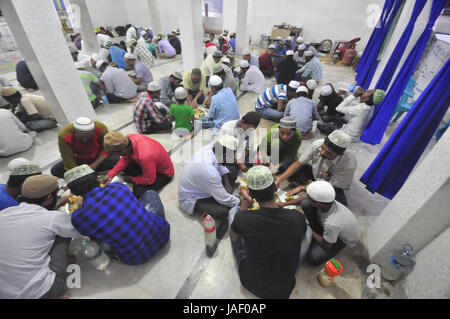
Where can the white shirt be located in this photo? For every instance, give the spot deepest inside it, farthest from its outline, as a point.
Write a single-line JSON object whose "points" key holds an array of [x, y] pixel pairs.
{"points": [[357, 114], [339, 222], [131, 34], [27, 234], [338, 172], [13, 136], [118, 82], [233, 128], [103, 38], [202, 178], [253, 81]]}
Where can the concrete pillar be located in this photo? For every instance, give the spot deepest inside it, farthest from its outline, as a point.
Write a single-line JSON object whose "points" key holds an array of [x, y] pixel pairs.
{"points": [[242, 26], [419, 26], [155, 19], [419, 211], [191, 33], [90, 44], [229, 15], [46, 52]]}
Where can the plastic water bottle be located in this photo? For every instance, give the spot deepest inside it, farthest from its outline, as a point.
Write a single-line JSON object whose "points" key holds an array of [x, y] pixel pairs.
{"points": [[209, 225], [332, 269], [94, 254], [399, 265]]}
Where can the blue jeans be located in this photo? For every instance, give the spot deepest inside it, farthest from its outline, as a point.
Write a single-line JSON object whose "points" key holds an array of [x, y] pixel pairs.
{"points": [[269, 113], [238, 246]]}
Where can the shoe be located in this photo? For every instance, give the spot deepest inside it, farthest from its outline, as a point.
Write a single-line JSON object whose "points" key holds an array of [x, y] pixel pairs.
{"points": [[222, 228]]}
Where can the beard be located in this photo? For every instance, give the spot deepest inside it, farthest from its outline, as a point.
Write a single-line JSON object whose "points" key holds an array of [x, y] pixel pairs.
{"points": [[52, 205]]}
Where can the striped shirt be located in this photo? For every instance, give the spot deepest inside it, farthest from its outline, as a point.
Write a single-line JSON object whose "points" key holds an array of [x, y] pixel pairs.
{"points": [[145, 112], [271, 96], [313, 69]]}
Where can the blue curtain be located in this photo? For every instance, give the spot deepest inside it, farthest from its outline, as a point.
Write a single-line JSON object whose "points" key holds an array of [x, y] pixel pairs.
{"points": [[368, 63], [394, 60], [390, 169], [374, 131]]}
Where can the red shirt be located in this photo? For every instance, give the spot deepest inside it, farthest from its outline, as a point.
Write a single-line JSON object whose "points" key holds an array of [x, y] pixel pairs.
{"points": [[265, 62], [85, 153], [150, 155]]}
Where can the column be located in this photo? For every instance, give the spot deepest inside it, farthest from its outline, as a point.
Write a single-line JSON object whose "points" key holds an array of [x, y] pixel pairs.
{"points": [[45, 50], [419, 211], [155, 20], [229, 15], [242, 26], [90, 44], [191, 33]]}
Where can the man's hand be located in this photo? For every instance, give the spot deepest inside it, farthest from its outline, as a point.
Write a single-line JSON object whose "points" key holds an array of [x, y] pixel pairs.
{"points": [[242, 167], [194, 103], [62, 201], [106, 180], [246, 196], [359, 91], [296, 190], [128, 179], [80, 201], [94, 166], [281, 204]]}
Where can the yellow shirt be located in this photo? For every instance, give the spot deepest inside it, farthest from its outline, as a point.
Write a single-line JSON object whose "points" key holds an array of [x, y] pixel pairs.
{"points": [[188, 85]]}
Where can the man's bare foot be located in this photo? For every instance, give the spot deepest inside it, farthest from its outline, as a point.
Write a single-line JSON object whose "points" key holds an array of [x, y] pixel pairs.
{"points": [[30, 90], [131, 100]]}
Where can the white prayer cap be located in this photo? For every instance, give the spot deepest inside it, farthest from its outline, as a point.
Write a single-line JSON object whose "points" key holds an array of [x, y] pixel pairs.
{"points": [[229, 142], [84, 125], [294, 84], [246, 52], [143, 33], [95, 57], [226, 60], [180, 93], [278, 38], [153, 86], [99, 64], [174, 31], [130, 56], [340, 139], [301, 47], [272, 46], [326, 90], [309, 53], [302, 89], [289, 52], [311, 84], [300, 40], [215, 80], [244, 64], [17, 161], [321, 191], [289, 38]]}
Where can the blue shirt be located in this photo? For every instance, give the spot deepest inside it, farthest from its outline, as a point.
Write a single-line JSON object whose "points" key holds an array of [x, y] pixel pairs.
{"points": [[6, 200], [232, 42], [278, 51], [224, 108], [303, 110], [312, 69], [113, 215], [117, 55]]}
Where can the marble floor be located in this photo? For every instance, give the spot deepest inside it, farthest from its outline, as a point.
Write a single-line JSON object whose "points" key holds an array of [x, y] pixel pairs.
{"points": [[182, 270]]}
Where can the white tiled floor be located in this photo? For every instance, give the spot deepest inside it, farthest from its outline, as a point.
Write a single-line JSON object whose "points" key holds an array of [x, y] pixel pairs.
{"points": [[182, 269]]}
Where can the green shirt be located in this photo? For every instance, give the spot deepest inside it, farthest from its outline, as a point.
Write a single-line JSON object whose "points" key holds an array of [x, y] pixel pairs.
{"points": [[182, 115], [87, 77], [287, 150]]}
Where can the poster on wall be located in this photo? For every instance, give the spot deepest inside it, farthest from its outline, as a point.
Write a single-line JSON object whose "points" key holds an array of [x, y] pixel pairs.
{"points": [[63, 16]]}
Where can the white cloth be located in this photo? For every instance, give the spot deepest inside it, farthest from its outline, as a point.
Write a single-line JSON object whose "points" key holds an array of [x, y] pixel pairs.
{"points": [[27, 234], [253, 81], [103, 54], [103, 38], [339, 222], [118, 82], [357, 115], [131, 34], [202, 178], [207, 65], [338, 172], [13, 136]]}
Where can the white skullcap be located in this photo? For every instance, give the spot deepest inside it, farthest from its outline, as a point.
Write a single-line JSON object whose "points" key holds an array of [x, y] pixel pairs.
{"points": [[99, 64], [17, 161], [226, 60], [289, 38], [278, 38], [300, 40], [294, 84], [95, 57], [309, 53], [289, 52], [130, 56], [244, 64], [326, 90], [311, 84], [321, 191], [302, 89], [246, 52], [153, 86], [229, 142], [301, 47], [215, 80], [143, 33], [180, 93], [83, 124], [272, 46], [340, 139]]}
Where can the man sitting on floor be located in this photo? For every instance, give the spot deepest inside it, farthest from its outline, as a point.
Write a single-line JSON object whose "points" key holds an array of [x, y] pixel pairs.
{"points": [[165, 48], [119, 87], [303, 110], [265, 62], [134, 231], [326, 159], [252, 79], [168, 85], [266, 242], [182, 114], [333, 225], [82, 143], [34, 243], [311, 70], [144, 161], [247, 55], [195, 84], [15, 137], [271, 104], [142, 76], [206, 183]]}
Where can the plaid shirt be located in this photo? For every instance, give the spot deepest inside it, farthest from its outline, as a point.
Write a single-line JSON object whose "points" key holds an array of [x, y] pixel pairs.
{"points": [[143, 54], [145, 112], [113, 215], [313, 69]]}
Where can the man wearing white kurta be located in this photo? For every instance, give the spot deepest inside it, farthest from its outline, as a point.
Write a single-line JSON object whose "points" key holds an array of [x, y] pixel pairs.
{"points": [[252, 78]]}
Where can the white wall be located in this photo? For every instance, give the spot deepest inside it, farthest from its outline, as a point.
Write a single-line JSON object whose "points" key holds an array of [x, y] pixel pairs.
{"points": [[107, 12]]}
